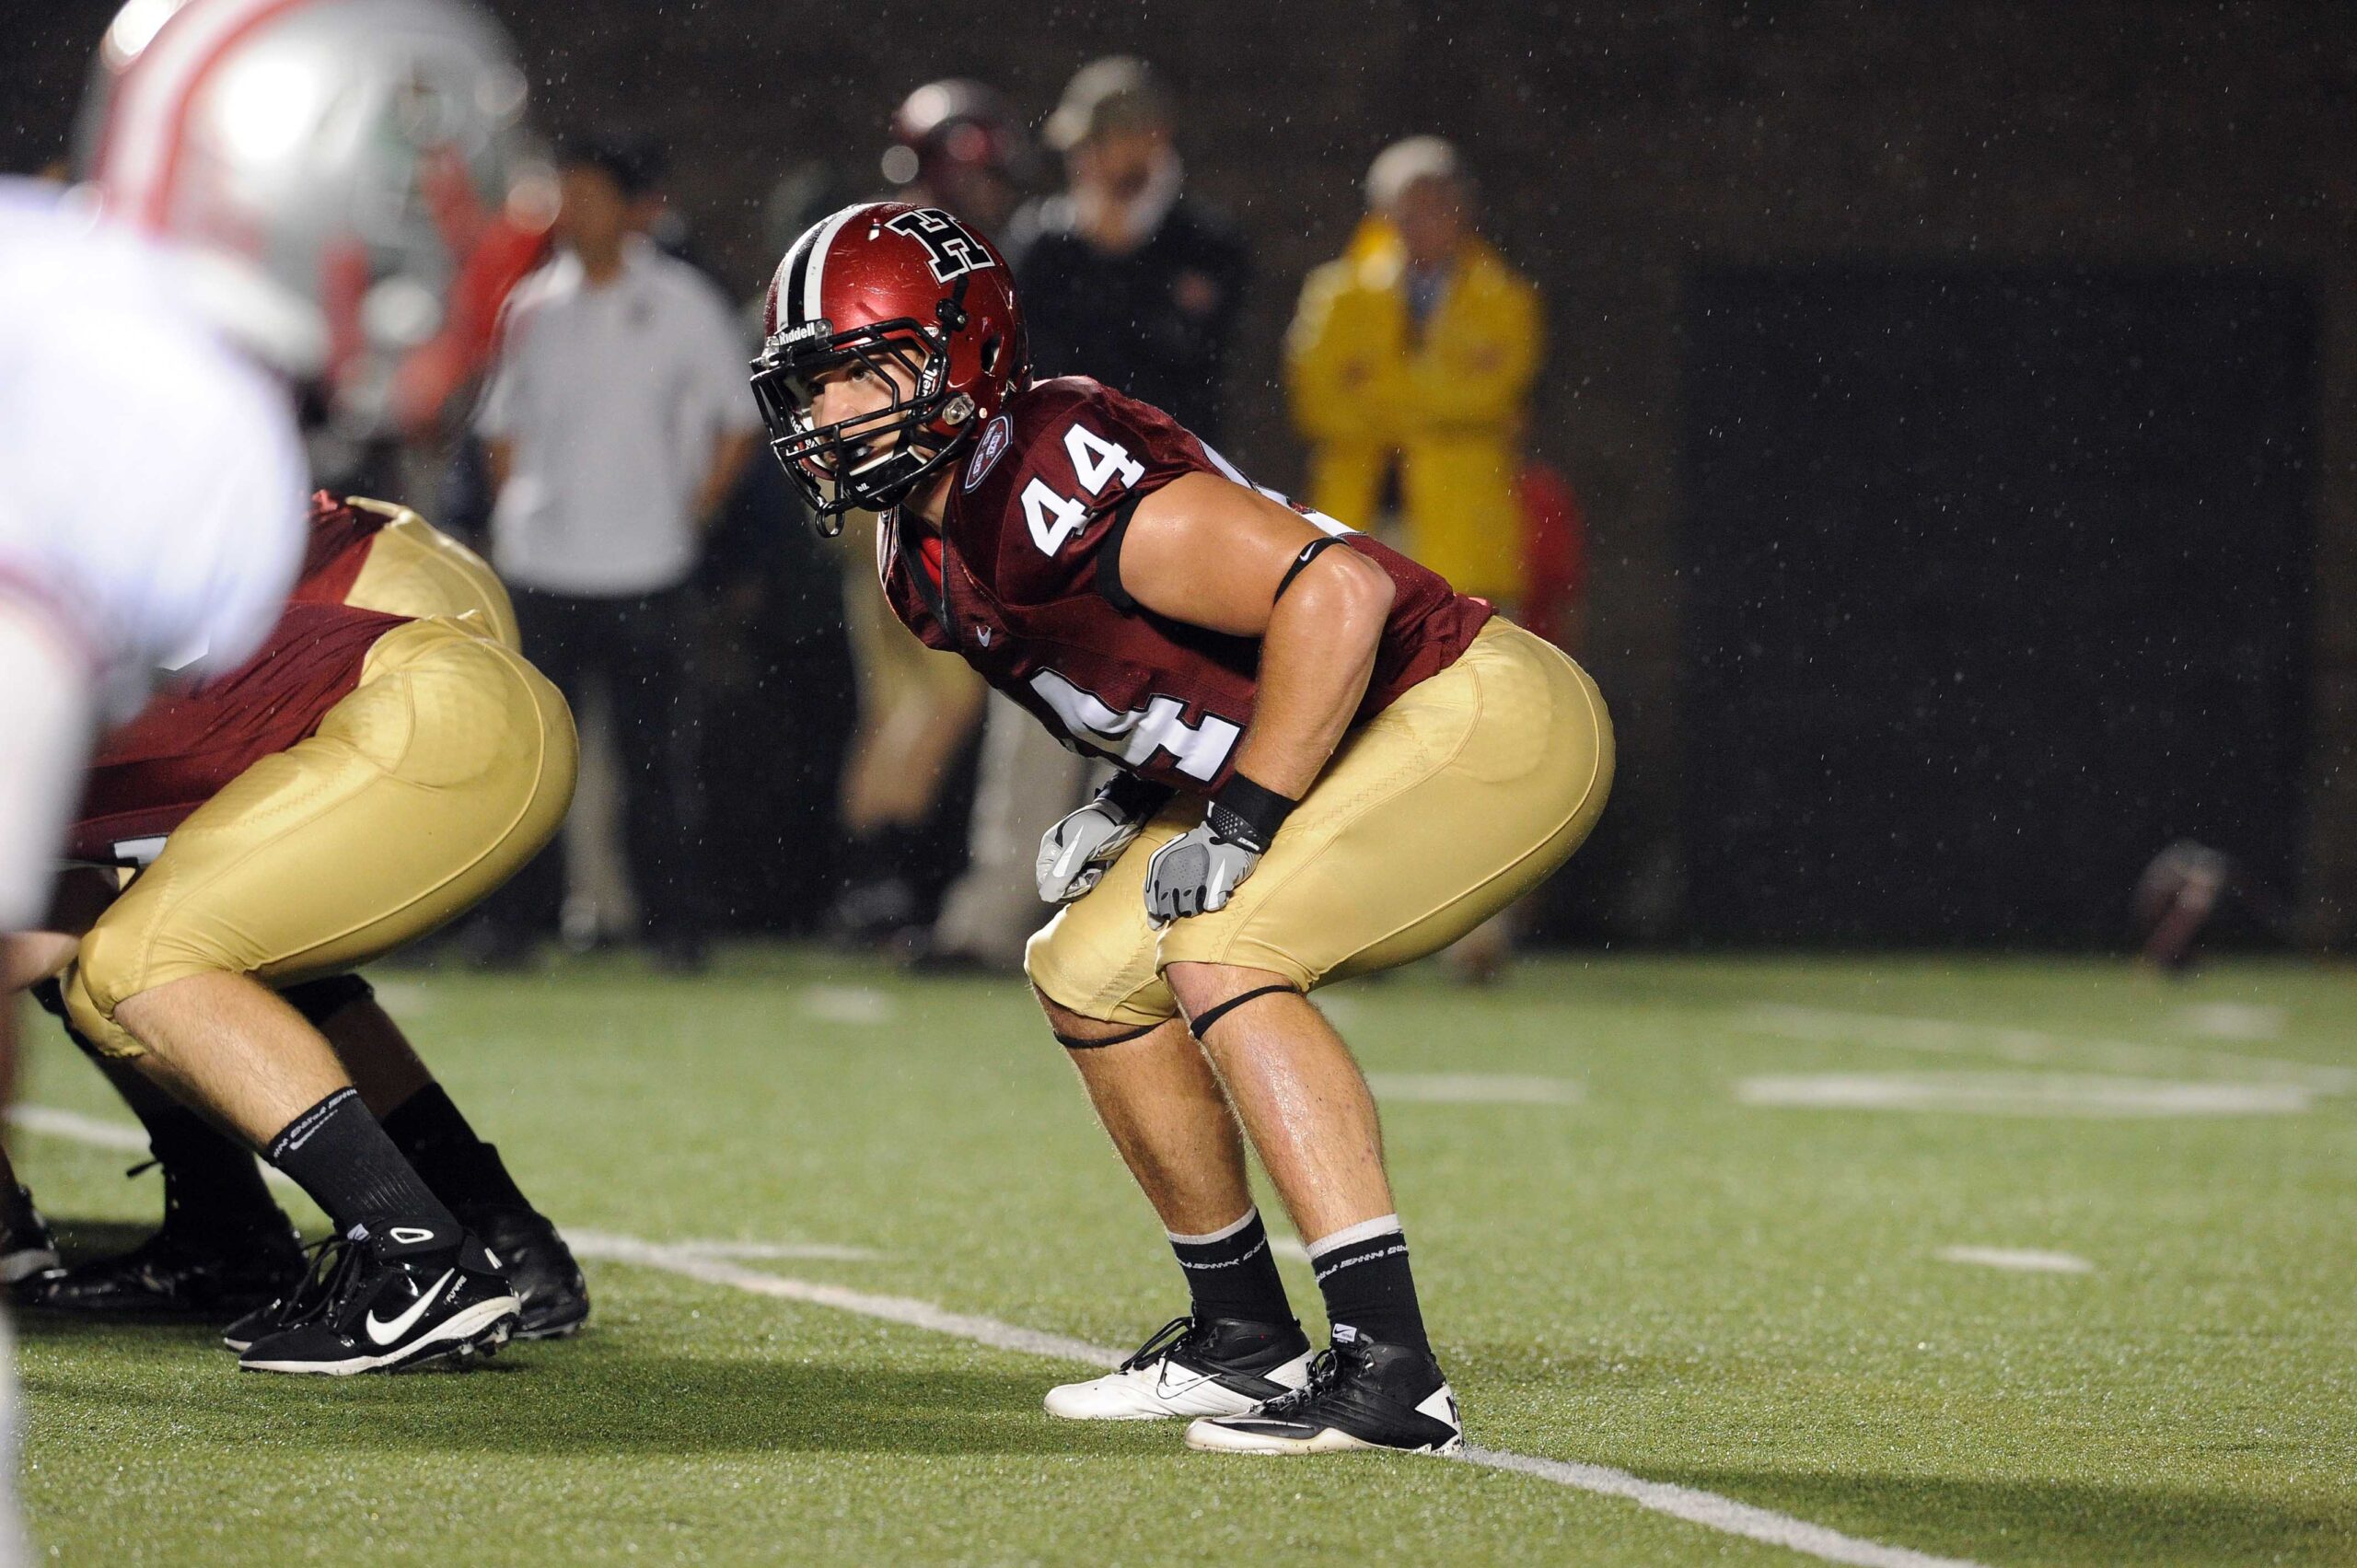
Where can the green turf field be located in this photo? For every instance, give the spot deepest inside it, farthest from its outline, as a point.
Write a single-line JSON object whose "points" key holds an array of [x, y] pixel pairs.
{"points": [[1644, 1239]]}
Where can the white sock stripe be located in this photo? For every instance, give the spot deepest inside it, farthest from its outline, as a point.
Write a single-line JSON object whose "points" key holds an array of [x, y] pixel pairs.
{"points": [[1222, 1234], [1325, 1274], [1365, 1230], [1257, 1247]]}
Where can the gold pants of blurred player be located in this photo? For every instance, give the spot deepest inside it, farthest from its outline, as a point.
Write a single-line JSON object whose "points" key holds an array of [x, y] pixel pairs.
{"points": [[415, 569], [1435, 815], [428, 786]]}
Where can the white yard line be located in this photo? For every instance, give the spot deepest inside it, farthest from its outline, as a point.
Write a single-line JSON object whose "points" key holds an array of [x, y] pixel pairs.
{"points": [[845, 1005], [2040, 1047], [2021, 1260], [2022, 1093], [699, 1262], [1473, 1088]]}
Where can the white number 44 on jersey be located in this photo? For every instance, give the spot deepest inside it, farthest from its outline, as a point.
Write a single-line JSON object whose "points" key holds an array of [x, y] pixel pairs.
{"points": [[1052, 517]]}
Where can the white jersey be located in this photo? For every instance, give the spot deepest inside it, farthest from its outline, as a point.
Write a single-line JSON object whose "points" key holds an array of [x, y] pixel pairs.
{"points": [[151, 503], [152, 481]]}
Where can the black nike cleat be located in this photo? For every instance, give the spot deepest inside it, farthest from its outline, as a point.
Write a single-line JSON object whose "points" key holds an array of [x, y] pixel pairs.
{"points": [[1360, 1395], [1193, 1366], [188, 1270], [403, 1298], [539, 1264], [27, 1252]]}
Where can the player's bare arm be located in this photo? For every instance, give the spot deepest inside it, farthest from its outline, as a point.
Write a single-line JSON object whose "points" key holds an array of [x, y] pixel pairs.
{"points": [[1211, 552]]}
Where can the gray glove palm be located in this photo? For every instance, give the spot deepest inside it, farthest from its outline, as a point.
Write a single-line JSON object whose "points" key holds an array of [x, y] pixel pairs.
{"points": [[1195, 874]]}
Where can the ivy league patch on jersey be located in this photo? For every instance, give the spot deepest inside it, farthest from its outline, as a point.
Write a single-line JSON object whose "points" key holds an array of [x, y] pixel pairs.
{"points": [[1027, 589]]}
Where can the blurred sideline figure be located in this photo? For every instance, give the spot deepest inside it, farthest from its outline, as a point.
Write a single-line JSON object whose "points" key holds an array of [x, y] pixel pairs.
{"points": [[329, 258], [614, 427], [957, 145], [1125, 276], [1408, 367]]}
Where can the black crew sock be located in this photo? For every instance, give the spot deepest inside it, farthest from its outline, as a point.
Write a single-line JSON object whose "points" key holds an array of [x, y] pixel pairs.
{"points": [[1230, 1272], [464, 1171], [338, 1154], [210, 1181], [1363, 1272]]}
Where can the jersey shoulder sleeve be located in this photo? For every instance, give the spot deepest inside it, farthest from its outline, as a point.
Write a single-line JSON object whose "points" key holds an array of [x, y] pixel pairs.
{"points": [[1055, 476]]}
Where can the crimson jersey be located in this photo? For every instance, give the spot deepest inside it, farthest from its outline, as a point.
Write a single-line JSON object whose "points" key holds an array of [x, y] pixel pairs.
{"points": [[342, 536], [1024, 584]]}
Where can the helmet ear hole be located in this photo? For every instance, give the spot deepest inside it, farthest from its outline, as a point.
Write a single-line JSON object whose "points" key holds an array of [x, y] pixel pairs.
{"points": [[990, 354]]}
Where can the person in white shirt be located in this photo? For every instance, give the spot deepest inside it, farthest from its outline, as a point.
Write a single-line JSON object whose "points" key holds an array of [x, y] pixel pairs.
{"points": [[615, 423]]}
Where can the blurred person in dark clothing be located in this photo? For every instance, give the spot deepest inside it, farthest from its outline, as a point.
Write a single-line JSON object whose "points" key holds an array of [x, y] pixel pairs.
{"points": [[957, 145], [614, 426], [1122, 273], [1124, 277]]}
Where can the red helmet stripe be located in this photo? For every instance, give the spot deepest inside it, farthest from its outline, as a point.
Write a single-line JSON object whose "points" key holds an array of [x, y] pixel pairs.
{"points": [[141, 143]]}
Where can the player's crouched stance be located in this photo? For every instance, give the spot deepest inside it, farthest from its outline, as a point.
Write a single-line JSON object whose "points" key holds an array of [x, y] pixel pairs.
{"points": [[361, 782], [1331, 763]]}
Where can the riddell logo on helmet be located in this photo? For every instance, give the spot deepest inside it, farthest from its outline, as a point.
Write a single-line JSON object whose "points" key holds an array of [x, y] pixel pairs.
{"points": [[988, 450]]}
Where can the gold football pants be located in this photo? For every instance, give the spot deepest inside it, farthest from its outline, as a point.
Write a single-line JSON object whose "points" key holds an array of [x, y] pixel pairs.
{"points": [[1431, 817], [415, 569], [426, 788]]}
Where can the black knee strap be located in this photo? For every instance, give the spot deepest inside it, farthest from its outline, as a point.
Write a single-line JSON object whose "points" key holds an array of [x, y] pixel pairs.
{"points": [[1213, 1014], [1069, 1043], [319, 1000]]}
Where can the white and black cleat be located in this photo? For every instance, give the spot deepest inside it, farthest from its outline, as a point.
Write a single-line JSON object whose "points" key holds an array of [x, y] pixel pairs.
{"points": [[1360, 1394], [1194, 1367], [406, 1298]]}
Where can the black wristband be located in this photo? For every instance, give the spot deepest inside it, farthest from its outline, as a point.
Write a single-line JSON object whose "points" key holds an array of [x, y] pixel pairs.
{"points": [[1133, 796], [1247, 814]]}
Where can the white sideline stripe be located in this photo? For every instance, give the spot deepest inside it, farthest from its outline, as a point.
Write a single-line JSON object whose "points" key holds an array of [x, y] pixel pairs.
{"points": [[1946, 1036], [905, 1309], [845, 1005], [2020, 1258], [1474, 1088], [2022, 1093], [1714, 1511], [828, 1251], [1289, 1247], [1707, 1509]]}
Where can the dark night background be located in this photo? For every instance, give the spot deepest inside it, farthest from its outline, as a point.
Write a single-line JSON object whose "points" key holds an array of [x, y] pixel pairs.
{"points": [[1961, 397]]}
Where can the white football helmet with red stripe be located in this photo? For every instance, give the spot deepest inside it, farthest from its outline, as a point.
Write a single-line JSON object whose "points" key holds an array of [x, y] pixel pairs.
{"points": [[333, 170]]}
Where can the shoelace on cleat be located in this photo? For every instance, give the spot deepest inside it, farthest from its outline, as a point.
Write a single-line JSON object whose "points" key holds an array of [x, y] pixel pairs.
{"points": [[331, 1261], [1161, 1342], [1328, 1368]]}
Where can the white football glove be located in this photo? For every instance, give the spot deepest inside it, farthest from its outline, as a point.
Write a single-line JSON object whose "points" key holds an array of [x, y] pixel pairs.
{"points": [[1074, 853]]}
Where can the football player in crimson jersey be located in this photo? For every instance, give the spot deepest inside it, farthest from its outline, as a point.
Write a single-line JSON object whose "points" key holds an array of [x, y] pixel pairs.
{"points": [[225, 1247], [1330, 762], [359, 781]]}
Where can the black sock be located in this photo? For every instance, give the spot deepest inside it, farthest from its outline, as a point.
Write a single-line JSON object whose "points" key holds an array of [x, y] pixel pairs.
{"points": [[1363, 1272], [463, 1170], [338, 1154], [210, 1179], [1230, 1272]]}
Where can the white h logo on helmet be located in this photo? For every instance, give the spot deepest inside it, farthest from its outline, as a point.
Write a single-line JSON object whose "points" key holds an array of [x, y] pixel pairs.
{"points": [[951, 248]]}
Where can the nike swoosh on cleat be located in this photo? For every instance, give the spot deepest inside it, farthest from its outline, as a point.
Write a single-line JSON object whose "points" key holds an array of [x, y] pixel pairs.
{"points": [[386, 1333]]}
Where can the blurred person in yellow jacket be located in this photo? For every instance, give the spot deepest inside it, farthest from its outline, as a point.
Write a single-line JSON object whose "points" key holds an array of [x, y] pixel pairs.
{"points": [[1409, 364]]}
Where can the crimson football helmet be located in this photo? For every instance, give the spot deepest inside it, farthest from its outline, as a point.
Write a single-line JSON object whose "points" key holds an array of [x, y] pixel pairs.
{"points": [[884, 285]]}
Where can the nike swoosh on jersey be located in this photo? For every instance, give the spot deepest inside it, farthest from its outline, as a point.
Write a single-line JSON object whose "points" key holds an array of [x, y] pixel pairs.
{"points": [[386, 1333]]}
